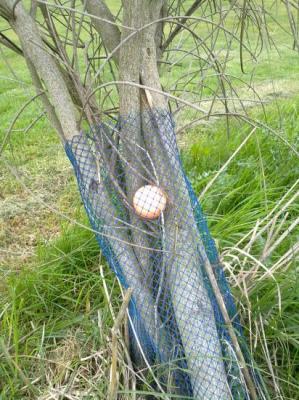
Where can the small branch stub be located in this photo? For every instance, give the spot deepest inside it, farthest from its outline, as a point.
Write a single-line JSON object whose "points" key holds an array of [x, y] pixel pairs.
{"points": [[149, 202]]}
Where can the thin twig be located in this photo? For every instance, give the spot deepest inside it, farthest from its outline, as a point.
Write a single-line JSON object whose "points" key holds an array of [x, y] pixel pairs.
{"points": [[182, 22], [4, 142], [224, 166]]}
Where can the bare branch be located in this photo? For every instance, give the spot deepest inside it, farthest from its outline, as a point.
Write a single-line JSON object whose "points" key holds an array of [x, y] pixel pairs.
{"points": [[109, 33], [46, 68], [15, 119], [47, 105], [10, 44], [160, 32], [292, 23], [182, 22]]}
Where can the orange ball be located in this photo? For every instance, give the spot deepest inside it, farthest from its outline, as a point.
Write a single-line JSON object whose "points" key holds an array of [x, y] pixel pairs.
{"points": [[149, 201]]}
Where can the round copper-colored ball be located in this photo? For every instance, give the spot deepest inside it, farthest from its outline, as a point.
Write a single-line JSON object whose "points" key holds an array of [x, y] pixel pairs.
{"points": [[149, 202]]}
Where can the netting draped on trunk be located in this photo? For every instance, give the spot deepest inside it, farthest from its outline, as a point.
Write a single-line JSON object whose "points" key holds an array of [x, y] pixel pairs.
{"points": [[174, 313]]}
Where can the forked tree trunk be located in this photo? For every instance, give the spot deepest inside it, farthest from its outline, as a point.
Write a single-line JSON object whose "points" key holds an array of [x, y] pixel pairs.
{"points": [[148, 143]]}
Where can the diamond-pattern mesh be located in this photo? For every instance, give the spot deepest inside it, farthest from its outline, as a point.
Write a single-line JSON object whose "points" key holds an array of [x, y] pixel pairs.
{"points": [[158, 250]]}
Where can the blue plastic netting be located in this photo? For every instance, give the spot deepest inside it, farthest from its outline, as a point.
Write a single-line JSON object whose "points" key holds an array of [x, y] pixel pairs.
{"points": [[176, 323]]}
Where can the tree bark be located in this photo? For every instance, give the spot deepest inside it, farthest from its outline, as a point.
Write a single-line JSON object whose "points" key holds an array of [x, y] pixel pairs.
{"points": [[33, 49], [113, 232], [109, 32], [193, 310], [130, 122]]}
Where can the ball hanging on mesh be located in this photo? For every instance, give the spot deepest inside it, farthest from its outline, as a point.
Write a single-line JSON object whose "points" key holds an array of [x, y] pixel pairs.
{"points": [[149, 202]]}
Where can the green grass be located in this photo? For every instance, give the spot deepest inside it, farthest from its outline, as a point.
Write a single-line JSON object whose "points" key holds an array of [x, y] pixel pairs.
{"points": [[55, 300], [54, 309], [245, 193], [258, 176]]}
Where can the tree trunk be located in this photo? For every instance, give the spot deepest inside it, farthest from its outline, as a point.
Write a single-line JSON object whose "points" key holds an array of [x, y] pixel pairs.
{"points": [[167, 277], [46, 68], [184, 251]]}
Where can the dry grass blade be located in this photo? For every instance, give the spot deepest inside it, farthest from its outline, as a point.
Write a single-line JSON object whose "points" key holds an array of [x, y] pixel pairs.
{"points": [[116, 326], [283, 236], [243, 365]]}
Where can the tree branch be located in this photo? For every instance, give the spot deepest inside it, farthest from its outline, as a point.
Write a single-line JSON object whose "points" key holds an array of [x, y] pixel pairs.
{"points": [[45, 66], [109, 32], [69, 75], [47, 105], [181, 24], [102, 209], [159, 31], [10, 44]]}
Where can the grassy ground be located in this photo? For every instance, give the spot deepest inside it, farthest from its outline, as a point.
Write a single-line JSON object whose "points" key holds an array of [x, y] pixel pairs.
{"points": [[58, 298]]}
